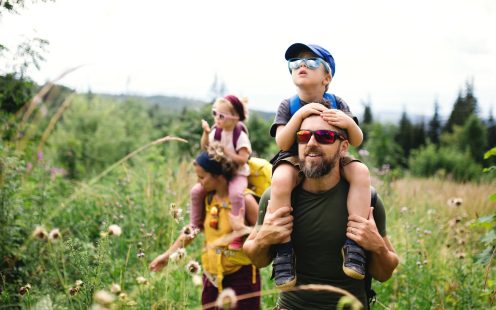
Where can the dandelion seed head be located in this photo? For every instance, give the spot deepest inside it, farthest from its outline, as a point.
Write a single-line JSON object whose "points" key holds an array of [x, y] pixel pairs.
{"points": [[227, 298], [455, 202], [114, 230], [123, 296], [140, 254], [178, 255], [23, 290], [404, 210], [73, 291]]}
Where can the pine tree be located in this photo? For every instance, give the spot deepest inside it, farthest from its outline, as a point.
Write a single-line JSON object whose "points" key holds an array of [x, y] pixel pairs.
{"points": [[491, 131], [463, 108], [366, 122], [418, 135], [434, 129], [404, 137]]}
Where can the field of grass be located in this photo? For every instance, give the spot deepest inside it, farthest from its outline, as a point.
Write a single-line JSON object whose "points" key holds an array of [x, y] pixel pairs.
{"points": [[81, 263]]}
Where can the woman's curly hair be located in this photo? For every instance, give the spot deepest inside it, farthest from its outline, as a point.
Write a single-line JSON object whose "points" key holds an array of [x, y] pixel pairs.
{"points": [[216, 152]]}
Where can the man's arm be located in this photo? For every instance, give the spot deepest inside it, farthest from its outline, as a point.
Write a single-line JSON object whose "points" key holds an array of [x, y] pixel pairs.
{"points": [[276, 227], [384, 258]]}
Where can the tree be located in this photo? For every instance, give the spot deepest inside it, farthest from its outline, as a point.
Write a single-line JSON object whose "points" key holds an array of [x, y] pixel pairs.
{"points": [[404, 137], [462, 109], [418, 135], [434, 126], [474, 138], [491, 130], [367, 115]]}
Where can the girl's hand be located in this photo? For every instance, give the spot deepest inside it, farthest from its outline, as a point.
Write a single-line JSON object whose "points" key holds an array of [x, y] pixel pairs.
{"points": [[337, 118], [205, 126], [310, 109], [159, 262]]}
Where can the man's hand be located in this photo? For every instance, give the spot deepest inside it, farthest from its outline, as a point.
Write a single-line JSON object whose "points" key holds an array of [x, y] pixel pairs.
{"points": [[205, 126], [364, 232], [277, 226], [337, 118], [159, 262]]}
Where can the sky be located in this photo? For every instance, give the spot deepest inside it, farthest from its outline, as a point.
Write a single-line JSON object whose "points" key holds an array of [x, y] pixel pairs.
{"points": [[396, 55]]}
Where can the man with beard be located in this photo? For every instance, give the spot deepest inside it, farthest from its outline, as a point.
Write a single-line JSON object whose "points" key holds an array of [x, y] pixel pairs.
{"points": [[317, 218]]}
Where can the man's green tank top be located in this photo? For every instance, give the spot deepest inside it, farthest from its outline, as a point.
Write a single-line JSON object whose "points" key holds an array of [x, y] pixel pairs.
{"points": [[319, 230]]}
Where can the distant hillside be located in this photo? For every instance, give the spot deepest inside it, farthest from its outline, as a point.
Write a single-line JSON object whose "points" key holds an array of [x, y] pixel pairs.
{"points": [[169, 102]]}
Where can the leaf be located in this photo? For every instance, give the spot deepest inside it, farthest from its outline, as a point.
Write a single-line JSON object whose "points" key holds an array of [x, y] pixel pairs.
{"points": [[492, 197], [491, 152]]}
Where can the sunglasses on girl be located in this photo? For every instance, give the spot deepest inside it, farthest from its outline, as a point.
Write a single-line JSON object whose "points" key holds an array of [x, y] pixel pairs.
{"points": [[310, 63], [223, 116], [322, 136]]}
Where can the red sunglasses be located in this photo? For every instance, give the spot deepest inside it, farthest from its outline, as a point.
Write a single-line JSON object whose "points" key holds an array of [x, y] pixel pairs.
{"points": [[322, 136]]}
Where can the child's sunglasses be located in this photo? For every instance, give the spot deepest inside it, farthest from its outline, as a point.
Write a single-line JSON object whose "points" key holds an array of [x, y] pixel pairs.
{"points": [[310, 63], [322, 136], [223, 116]]}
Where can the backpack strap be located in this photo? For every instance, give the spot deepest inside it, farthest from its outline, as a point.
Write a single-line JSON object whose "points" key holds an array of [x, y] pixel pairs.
{"points": [[368, 278], [295, 102], [240, 126]]}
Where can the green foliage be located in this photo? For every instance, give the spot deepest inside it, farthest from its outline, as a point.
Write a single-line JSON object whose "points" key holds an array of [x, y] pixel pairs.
{"points": [[434, 126], [381, 146], [14, 92], [473, 137], [94, 134], [262, 144], [444, 161]]}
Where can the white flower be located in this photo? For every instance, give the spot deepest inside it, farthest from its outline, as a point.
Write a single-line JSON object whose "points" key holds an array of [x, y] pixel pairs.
{"points": [[104, 298], [455, 202], [40, 232], [141, 280], [178, 255], [227, 298], [114, 230], [197, 280], [115, 288], [193, 267], [176, 212], [190, 231], [79, 283], [54, 234]]}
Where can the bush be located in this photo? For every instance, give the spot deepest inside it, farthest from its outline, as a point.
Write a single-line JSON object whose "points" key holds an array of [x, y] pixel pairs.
{"points": [[431, 161]]}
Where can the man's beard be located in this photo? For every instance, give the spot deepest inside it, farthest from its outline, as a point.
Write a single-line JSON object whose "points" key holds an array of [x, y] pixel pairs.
{"points": [[316, 170]]}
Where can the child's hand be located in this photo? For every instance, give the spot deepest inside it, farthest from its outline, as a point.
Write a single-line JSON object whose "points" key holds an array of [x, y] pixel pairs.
{"points": [[159, 262], [205, 126], [337, 118], [310, 109]]}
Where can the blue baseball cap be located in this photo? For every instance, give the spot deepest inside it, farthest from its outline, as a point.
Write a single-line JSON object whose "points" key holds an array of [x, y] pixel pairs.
{"points": [[321, 52]]}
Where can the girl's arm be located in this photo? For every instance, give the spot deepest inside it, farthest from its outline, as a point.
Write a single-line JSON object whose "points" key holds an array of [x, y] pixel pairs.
{"points": [[240, 158], [285, 134], [340, 119], [204, 137], [161, 261]]}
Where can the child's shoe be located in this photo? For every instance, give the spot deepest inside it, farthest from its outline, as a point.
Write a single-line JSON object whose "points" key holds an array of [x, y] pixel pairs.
{"points": [[353, 260], [283, 269]]}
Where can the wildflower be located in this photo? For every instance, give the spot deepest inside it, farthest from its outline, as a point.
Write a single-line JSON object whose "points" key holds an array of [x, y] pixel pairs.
{"points": [[40, 232], [103, 297], [227, 298], [190, 231], [193, 267], [29, 166], [54, 234], [140, 254], [176, 212], [114, 230], [427, 232], [461, 255], [122, 296], [363, 153], [178, 255], [98, 307], [39, 155], [404, 209], [455, 202], [73, 290], [141, 280], [24, 289], [197, 280], [115, 288], [79, 283]]}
